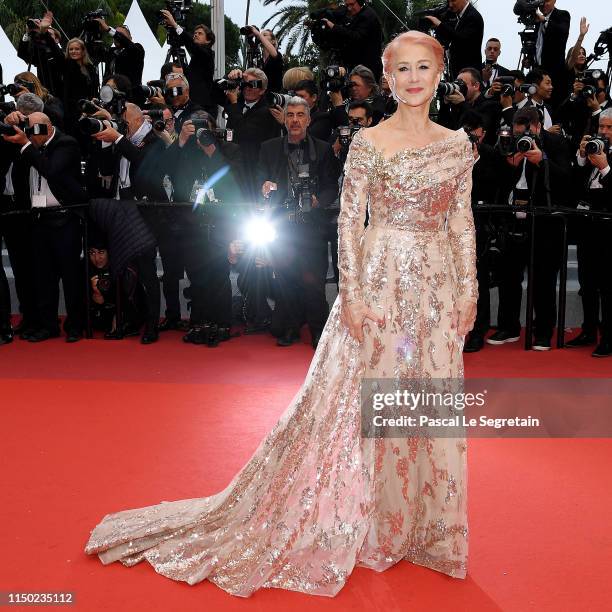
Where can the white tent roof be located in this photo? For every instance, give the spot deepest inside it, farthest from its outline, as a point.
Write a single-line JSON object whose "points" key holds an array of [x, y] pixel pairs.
{"points": [[141, 32], [11, 64]]}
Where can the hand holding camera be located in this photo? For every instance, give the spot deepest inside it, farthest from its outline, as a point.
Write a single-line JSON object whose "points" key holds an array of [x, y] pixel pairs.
{"points": [[108, 134], [187, 131], [166, 15], [534, 155]]}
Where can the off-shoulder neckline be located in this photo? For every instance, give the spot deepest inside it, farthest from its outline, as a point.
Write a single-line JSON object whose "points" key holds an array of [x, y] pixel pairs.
{"points": [[409, 148]]}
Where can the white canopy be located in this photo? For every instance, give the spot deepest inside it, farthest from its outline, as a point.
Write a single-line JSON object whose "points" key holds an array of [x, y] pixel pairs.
{"points": [[11, 64], [141, 33]]}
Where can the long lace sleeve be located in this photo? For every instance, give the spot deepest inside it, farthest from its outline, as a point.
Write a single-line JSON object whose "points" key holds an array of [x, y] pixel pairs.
{"points": [[461, 230], [353, 202]]}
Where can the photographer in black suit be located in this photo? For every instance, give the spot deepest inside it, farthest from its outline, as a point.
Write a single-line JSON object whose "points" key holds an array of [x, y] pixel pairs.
{"points": [[552, 32], [204, 169], [250, 116], [139, 168], [290, 167], [542, 175], [201, 68], [53, 164], [593, 240], [491, 70], [37, 48], [459, 105], [358, 38], [461, 33], [177, 93], [125, 57], [484, 190]]}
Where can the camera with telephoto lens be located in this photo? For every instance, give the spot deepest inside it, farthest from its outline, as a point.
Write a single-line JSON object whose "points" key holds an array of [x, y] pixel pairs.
{"points": [[457, 86], [301, 189], [7, 107], [589, 78], [9, 90], [177, 8], [507, 85], [441, 11], [276, 99], [88, 107], [90, 126], [207, 136], [597, 145], [38, 129], [113, 100], [104, 281], [226, 84], [157, 118], [89, 21], [332, 80], [9, 130], [529, 89], [346, 133], [509, 143], [526, 11], [150, 92]]}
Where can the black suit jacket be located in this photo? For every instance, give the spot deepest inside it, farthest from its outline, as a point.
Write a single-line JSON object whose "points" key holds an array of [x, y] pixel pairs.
{"points": [[251, 129], [463, 41], [273, 166], [501, 71], [40, 51], [126, 59], [557, 152], [599, 199], [360, 42], [200, 72], [555, 41], [60, 163]]}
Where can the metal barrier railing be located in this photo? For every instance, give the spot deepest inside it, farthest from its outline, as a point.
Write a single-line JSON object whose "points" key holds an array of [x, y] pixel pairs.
{"points": [[209, 212]]}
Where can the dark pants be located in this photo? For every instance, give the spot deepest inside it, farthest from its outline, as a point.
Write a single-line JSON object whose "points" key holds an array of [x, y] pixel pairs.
{"points": [[300, 265], [208, 270], [483, 307], [255, 285], [147, 276], [513, 261], [56, 252], [594, 253], [172, 252], [17, 233]]}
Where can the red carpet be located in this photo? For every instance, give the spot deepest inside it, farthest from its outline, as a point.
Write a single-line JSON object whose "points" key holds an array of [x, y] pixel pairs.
{"points": [[99, 426]]}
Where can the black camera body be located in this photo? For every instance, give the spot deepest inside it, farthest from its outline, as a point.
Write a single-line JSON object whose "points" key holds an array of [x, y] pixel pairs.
{"points": [[157, 118], [207, 136], [589, 78], [9, 130], [346, 133], [104, 281], [509, 143], [446, 88], [177, 8], [526, 11], [9, 90], [597, 145], [226, 84], [90, 126], [507, 85]]}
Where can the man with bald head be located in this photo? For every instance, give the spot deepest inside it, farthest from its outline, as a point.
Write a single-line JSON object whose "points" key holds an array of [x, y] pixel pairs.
{"points": [[52, 161]]}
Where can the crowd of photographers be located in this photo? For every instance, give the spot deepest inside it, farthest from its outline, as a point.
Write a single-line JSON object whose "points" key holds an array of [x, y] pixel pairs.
{"points": [[246, 171]]}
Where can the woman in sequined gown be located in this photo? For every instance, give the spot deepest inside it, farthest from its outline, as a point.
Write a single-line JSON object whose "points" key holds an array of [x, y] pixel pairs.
{"points": [[316, 499]]}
